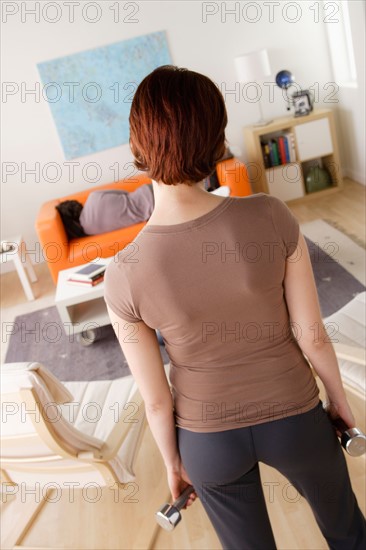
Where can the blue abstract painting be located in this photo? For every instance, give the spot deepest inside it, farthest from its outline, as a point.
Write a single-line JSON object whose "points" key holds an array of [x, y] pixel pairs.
{"points": [[90, 93]]}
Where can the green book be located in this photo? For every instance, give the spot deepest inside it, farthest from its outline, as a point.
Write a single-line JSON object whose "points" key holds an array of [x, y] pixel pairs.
{"points": [[276, 157]]}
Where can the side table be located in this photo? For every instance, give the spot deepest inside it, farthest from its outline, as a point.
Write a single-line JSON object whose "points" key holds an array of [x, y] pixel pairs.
{"points": [[18, 254], [82, 310]]}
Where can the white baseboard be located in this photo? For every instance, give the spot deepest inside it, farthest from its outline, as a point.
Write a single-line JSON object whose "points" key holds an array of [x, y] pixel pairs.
{"points": [[354, 175]]}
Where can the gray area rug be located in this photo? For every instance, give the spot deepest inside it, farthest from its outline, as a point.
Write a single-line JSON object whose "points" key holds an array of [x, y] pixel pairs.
{"points": [[335, 285], [38, 336]]}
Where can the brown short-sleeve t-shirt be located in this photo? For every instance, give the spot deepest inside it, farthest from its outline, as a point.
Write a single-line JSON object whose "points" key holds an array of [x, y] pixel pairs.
{"points": [[213, 286]]}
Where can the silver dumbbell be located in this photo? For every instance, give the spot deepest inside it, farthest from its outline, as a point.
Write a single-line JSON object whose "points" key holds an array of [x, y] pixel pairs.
{"points": [[353, 440], [168, 516]]}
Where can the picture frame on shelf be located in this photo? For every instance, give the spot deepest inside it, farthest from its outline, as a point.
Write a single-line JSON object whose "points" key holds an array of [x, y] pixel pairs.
{"points": [[302, 103]]}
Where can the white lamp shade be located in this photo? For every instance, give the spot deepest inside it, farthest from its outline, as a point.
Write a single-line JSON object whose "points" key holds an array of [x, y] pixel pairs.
{"points": [[252, 66]]}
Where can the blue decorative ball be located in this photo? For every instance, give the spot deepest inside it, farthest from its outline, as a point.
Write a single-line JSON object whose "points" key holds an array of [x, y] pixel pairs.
{"points": [[284, 79]]}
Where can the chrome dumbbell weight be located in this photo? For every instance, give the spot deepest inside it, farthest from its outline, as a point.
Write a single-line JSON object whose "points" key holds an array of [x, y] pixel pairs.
{"points": [[353, 440], [168, 516]]}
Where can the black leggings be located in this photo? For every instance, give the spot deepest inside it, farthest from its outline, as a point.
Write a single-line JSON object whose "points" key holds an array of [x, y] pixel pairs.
{"points": [[223, 467]]}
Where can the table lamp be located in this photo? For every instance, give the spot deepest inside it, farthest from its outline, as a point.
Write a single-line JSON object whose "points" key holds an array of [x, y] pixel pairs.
{"points": [[251, 67]]}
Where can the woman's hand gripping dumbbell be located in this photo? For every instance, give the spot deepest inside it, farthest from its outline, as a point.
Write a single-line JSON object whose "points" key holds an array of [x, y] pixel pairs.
{"points": [[353, 440], [168, 516]]}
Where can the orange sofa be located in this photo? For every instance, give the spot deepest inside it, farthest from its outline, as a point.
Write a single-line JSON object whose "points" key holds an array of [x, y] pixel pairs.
{"points": [[60, 253]]}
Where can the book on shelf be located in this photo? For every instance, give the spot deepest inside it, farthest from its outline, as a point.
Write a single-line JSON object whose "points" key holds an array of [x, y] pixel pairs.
{"points": [[282, 150], [274, 152], [287, 149], [279, 150], [266, 155], [290, 139]]}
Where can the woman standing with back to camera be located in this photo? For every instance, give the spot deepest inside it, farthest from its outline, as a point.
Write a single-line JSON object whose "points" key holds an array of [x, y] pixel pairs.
{"points": [[221, 278]]}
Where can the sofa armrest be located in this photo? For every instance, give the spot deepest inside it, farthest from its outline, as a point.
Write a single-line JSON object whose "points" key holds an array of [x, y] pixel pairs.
{"points": [[233, 172], [52, 237]]}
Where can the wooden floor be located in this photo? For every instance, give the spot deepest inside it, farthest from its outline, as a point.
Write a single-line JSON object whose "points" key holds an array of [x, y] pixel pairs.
{"points": [[108, 524], [346, 209]]}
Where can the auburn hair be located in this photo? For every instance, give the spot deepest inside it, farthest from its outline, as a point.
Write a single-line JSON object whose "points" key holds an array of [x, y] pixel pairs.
{"points": [[177, 126]]}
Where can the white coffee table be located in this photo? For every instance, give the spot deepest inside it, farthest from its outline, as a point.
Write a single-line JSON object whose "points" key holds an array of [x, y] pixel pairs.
{"points": [[18, 255], [82, 310]]}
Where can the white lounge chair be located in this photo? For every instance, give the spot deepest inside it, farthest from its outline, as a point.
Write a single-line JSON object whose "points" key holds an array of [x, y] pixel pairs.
{"points": [[56, 434]]}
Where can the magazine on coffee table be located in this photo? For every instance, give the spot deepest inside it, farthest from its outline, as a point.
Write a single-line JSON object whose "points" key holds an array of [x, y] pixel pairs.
{"points": [[89, 275]]}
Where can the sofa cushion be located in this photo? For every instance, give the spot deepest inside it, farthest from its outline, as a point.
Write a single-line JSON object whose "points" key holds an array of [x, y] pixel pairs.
{"points": [[112, 209]]}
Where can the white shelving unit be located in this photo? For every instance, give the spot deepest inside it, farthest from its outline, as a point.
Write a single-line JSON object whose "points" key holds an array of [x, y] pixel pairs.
{"points": [[315, 145]]}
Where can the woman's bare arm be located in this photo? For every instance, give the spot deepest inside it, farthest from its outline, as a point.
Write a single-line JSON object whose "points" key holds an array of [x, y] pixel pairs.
{"points": [[140, 346], [304, 310], [141, 350]]}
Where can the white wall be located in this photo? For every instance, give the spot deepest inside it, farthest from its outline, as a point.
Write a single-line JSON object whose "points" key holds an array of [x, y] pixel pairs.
{"points": [[29, 133], [352, 100]]}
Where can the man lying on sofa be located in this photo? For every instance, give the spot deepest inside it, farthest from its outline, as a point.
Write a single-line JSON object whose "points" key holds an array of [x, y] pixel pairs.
{"points": [[106, 211], [112, 209]]}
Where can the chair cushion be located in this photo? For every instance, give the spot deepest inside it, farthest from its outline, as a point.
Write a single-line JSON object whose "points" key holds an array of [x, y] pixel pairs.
{"points": [[353, 374], [97, 404], [350, 329], [350, 322], [95, 409]]}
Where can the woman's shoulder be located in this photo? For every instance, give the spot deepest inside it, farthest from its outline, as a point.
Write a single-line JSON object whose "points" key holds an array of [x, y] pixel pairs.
{"points": [[125, 259], [262, 200], [255, 201], [254, 197]]}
